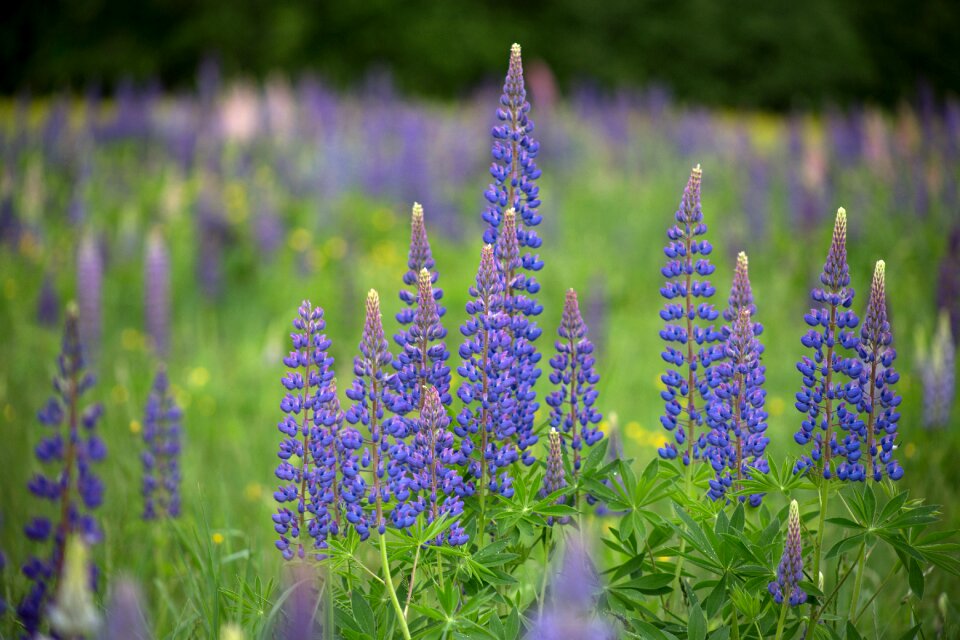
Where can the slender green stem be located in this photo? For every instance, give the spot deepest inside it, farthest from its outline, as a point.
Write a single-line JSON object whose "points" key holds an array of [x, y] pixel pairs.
{"points": [[546, 572], [883, 583], [413, 576], [683, 541], [815, 614], [734, 623], [388, 582], [824, 496], [783, 619], [857, 582]]}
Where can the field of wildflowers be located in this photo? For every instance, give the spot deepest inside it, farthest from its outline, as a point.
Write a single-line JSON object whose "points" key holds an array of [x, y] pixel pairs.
{"points": [[602, 415]]}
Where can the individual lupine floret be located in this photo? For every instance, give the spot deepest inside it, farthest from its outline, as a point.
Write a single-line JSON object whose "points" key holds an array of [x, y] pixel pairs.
{"points": [[790, 571], [736, 415], [370, 397], [878, 400], [307, 390], [161, 459], [572, 404], [157, 293], [90, 292], [523, 332], [514, 167], [937, 372], [423, 358], [686, 311], [486, 393], [828, 402], [431, 469], [420, 257], [74, 488]]}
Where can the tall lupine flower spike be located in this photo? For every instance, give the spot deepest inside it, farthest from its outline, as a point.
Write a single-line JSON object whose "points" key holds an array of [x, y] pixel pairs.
{"points": [[523, 331], [514, 167], [937, 371], [735, 414], [687, 390], [306, 382], [572, 404], [73, 447], [790, 571], [369, 396], [431, 468], [161, 459], [90, 292], [826, 401], [157, 292], [486, 393], [741, 294], [423, 359], [419, 258], [878, 400]]}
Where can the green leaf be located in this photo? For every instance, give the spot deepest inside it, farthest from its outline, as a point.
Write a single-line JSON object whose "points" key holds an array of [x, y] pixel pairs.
{"points": [[852, 633], [511, 625], [912, 633], [697, 623], [650, 632], [893, 506], [363, 613], [869, 503], [737, 520], [845, 544], [915, 578], [495, 626], [655, 583], [846, 523]]}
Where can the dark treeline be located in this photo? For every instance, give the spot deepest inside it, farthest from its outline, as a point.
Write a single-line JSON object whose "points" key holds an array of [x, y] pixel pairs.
{"points": [[758, 53]]}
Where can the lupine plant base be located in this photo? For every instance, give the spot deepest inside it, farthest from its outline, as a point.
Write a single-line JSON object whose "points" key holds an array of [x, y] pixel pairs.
{"points": [[448, 484]]}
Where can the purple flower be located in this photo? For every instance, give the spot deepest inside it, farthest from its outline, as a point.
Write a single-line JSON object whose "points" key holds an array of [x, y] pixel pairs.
{"points": [[71, 446], [790, 570], [486, 393], [370, 397], [90, 292], [514, 189], [307, 384], [826, 401], [878, 400], [161, 457], [48, 304], [423, 358], [302, 610], [523, 332], [573, 592], [572, 404], [735, 413], [937, 372], [687, 296], [124, 616], [430, 469], [157, 289]]}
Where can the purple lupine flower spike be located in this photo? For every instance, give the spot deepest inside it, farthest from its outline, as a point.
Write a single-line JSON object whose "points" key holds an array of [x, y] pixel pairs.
{"points": [[573, 592], [423, 359], [523, 332], [790, 571], [419, 258], [572, 404], [161, 459], [555, 477], [937, 371], [369, 395], [879, 401], [307, 384], [825, 399], [72, 447], [48, 305], [741, 293], [735, 413], [90, 292], [432, 464], [686, 311], [486, 369], [157, 288], [514, 193]]}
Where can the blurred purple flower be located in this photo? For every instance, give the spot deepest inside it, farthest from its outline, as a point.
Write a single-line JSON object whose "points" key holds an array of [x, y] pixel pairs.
{"points": [[162, 436], [90, 293], [157, 289]]}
